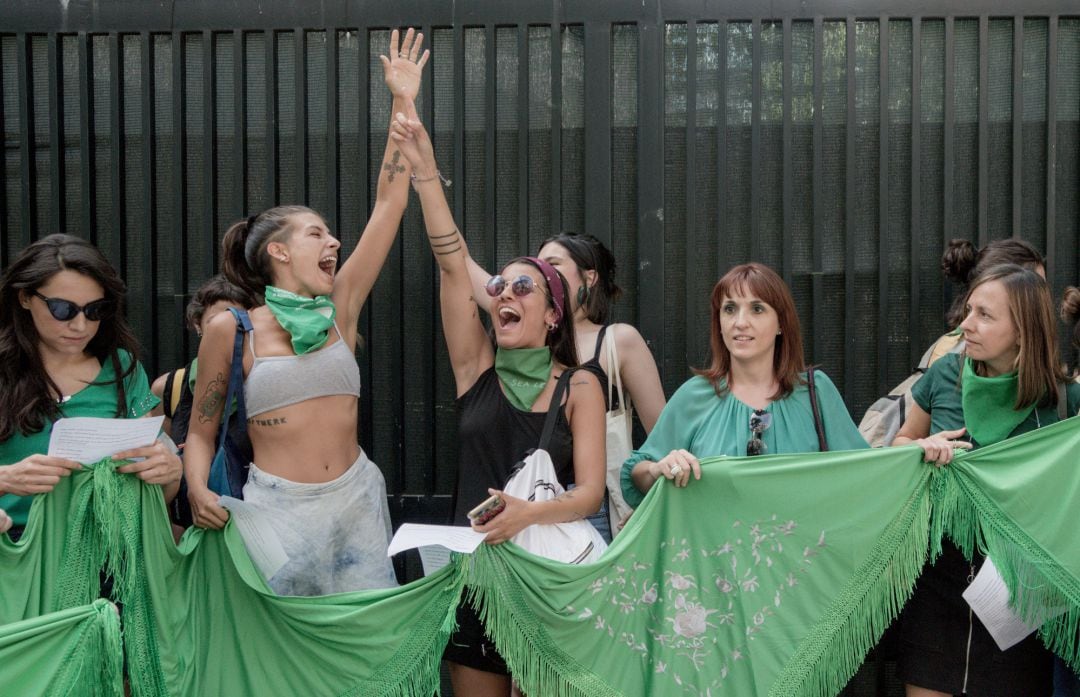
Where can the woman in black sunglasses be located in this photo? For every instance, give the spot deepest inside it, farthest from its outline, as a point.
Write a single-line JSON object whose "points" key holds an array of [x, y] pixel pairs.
{"points": [[753, 398], [66, 350]]}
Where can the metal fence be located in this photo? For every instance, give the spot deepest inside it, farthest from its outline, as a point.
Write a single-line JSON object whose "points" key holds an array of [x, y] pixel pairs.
{"points": [[843, 143]]}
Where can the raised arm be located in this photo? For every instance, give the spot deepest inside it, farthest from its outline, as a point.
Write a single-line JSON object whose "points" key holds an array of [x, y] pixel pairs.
{"points": [[469, 347], [353, 283]]}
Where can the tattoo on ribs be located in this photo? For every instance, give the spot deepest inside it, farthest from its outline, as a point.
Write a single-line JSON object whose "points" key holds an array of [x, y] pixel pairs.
{"points": [[211, 402], [268, 422], [394, 167]]}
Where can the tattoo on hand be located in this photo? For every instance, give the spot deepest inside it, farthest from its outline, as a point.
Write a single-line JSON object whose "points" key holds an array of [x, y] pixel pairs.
{"points": [[267, 422], [212, 401], [394, 167]]}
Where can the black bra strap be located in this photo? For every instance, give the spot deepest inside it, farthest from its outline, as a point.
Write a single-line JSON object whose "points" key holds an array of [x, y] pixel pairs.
{"points": [[553, 409], [599, 343]]}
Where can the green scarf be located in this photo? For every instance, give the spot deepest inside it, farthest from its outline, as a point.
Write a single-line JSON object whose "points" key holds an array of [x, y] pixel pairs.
{"points": [[308, 320], [988, 405], [524, 373]]}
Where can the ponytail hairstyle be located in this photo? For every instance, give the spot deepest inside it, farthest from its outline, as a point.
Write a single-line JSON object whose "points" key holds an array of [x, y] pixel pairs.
{"points": [[29, 393], [962, 263], [1031, 307], [590, 254], [245, 261], [560, 339], [1070, 314]]}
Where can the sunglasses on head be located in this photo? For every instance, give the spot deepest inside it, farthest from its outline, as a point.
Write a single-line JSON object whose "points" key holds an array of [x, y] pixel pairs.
{"points": [[521, 286], [65, 310], [759, 421]]}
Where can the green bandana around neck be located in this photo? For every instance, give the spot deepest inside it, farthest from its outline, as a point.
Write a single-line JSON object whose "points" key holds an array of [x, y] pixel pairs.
{"points": [[524, 373], [988, 405], [308, 320]]}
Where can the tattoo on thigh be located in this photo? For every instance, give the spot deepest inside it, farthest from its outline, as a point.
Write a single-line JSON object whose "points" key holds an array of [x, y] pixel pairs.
{"points": [[210, 404]]}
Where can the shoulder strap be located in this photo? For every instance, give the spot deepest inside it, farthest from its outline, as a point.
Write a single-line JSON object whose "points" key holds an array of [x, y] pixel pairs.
{"points": [[1063, 401], [615, 377], [174, 390], [600, 343], [553, 408], [236, 376], [823, 444]]}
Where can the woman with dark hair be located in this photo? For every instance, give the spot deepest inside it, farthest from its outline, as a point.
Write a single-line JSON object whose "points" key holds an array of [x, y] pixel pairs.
{"points": [[1008, 381], [504, 395], [1070, 315], [752, 399], [322, 497], [962, 263], [65, 351]]}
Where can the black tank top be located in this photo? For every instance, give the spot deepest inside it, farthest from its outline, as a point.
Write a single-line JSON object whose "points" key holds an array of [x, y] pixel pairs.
{"points": [[593, 366], [494, 436]]}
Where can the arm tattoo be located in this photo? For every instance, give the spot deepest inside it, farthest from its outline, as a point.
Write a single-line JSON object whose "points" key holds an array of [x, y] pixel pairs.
{"points": [[212, 400], [567, 496], [393, 166]]}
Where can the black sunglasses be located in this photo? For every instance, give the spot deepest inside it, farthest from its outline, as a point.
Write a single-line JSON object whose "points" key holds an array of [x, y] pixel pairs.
{"points": [[759, 421], [521, 286], [65, 310]]}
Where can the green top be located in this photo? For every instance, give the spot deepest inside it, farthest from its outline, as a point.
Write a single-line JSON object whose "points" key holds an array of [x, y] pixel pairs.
{"points": [[938, 394], [93, 400], [695, 419]]}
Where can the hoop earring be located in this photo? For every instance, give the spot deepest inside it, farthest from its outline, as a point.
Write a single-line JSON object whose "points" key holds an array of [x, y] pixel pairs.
{"points": [[552, 327]]}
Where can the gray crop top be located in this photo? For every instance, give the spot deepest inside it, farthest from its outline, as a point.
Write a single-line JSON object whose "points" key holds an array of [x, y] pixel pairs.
{"points": [[279, 381]]}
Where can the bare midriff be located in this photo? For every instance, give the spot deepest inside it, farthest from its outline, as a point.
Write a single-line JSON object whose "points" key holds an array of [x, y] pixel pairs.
{"points": [[309, 442]]}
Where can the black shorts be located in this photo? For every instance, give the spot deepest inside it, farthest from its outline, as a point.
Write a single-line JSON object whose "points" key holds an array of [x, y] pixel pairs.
{"points": [[470, 645]]}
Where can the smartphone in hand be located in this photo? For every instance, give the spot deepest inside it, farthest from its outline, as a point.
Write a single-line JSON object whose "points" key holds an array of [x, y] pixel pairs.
{"points": [[488, 509]]}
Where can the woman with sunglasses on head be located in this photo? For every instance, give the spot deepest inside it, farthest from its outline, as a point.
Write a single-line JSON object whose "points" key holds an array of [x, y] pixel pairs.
{"points": [[65, 351], [322, 496], [1008, 381], [504, 394], [753, 398]]}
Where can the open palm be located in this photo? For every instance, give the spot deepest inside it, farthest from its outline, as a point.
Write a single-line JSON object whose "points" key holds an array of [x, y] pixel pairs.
{"points": [[405, 65]]}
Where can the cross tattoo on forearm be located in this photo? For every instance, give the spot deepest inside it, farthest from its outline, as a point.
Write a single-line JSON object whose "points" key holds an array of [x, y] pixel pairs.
{"points": [[393, 167]]}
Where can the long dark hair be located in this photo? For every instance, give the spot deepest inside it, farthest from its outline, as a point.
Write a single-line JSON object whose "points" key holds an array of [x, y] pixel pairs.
{"points": [[761, 282], [28, 390], [561, 339], [962, 263], [1070, 314], [216, 289], [245, 261], [590, 254]]}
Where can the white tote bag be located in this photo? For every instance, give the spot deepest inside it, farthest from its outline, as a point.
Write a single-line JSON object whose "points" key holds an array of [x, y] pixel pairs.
{"points": [[576, 542], [620, 425]]}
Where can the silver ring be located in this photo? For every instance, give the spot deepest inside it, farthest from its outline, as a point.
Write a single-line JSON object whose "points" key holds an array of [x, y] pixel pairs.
{"points": [[676, 470], [402, 55]]}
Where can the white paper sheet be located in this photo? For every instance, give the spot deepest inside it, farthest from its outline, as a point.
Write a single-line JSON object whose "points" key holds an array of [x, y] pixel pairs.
{"points": [[87, 439], [262, 543], [435, 542], [988, 597]]}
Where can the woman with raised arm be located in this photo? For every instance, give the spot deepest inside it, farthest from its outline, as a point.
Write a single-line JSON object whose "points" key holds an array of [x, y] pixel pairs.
{"points": [[504, 393], [66, 351], [1008, 381], [323, 497]]}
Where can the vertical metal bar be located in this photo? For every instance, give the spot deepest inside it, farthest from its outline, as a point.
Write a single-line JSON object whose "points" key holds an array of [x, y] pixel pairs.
{"points": [[691, 238], [949, 141], [459, 124], [6, 236], [333, 198], [523, 137], [755, 141], [598, 130], [143, 252], [1051, 144], [788, 144], [1018, 126], [650, 180], [301, 113], [850, 209], [87, 217], [984, 130], [273, 189], [556, 119], [26, 144], [117, 149], [239, 203], [176, 240], [57, 187], [883, 205], [816, 276], [914, 340], [490, 75], [722, 260], [363, 175], [210, 199]]}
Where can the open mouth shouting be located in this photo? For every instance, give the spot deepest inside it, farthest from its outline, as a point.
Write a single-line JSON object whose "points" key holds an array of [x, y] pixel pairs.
{"points": [[328, 265], [508, 317]]}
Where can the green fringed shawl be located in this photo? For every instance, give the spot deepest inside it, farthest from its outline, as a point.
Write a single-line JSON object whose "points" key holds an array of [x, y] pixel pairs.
{"points": [[771, 576]]}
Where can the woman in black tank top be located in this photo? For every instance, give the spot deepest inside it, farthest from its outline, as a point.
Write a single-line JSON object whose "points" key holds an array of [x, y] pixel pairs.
{"points": [[503, 396]]}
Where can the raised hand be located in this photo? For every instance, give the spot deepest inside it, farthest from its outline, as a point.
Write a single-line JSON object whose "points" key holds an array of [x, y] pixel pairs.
{"points": [[411, 138], [405, 64]]}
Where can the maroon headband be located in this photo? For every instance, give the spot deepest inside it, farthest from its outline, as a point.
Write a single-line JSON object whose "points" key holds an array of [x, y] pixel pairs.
{"points": [[554, 283]]}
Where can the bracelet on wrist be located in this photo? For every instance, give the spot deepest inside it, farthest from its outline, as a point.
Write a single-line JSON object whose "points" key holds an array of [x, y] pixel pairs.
{"points": [[438, 175]]}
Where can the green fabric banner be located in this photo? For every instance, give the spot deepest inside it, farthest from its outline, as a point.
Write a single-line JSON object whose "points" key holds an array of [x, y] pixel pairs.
{"points": [[771, 576]]}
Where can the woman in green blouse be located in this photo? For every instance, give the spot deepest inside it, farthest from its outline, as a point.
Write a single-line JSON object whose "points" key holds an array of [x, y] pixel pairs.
{"points": [[752, 399], [66, 350]]}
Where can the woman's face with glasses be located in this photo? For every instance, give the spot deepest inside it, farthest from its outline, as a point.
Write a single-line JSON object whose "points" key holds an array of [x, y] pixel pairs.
{"points": [[67, 311], [519, 308]]}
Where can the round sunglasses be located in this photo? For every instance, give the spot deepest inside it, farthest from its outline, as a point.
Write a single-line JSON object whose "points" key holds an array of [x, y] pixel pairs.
{"points": [[65, 310], [521, 286]]}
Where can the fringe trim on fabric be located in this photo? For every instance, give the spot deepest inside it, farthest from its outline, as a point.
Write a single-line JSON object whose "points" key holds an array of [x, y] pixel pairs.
{"points": [[1038, 584], [537, 664], [415, 668], [835, 647], [96, 665]]}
